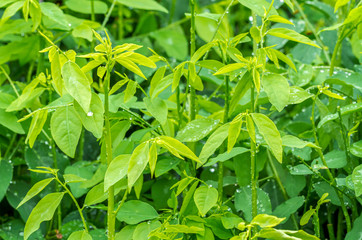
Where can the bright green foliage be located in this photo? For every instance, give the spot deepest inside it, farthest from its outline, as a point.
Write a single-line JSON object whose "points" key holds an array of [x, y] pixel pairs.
{"points": [[199, 119]]}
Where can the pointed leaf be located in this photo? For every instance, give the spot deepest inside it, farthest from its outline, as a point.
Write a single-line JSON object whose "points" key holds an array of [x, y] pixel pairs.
{"points": [[158, 109], [277, 89], [80, 235], [137, 163], [34, 190], [66, 129], [196, 129], [270, 134], [177, 146], [77, 84], [291, 35], [213, 142], [116, 170], [43, 211], [135, 211], [205, 198]]}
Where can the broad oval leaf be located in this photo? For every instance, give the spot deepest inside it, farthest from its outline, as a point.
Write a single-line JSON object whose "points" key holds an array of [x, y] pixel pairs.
{"points": [[351, 108], [53, 12], [291, 35], [288, 207], [270, 134], [137, 163], [258, 6], [80, 235], [135, 211], [92, 120], [357, 180], [213, 142], [66, 129], [116, 170], [205, 198], [84, 6], [43, 211], [10, 121], [77, 84], [196, 129], [277, 88], [34, 190], [294, 142], [158, 108], [266, 221]]}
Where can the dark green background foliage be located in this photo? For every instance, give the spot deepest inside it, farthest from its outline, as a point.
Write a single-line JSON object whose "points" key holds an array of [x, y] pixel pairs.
{"points": [[177, 119]]}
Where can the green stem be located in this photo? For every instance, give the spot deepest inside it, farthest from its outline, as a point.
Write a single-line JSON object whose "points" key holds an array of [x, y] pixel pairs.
{"points": [[108, 14], [280, 184], [346, 143], [178, 102], [172, 11], [340, 225], [75, 202], [329, 174], [55, 164], [334, 56], [80, 151], [316, 224], [10, 146], [192, 51], [111, 220], [311, 27], [120, 22], [254, 180]]}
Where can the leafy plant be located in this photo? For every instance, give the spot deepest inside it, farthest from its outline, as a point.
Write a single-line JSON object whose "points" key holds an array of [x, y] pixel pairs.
{"points": [[153, 119]]}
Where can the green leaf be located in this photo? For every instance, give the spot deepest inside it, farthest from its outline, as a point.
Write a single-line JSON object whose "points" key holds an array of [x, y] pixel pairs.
{"points": [[357, 180], [178, 228], [294, 142], [213, 142], [230, 68], [80, 235], [298, 95], [291, 35], [276, 234], [130, 90], [72, 178], [351, 108], [270, 134], [116, 170], [77, 84], [83, 31], [176, 147], [152, 156], [306, 216], [10, 11], [288, 207], [126, 233], [144, 229], [43, 211], [241, 88], [196, 129], [201, 51], [158, 108], [205, 198], [277, 88], [92, 120], [355, 233], [144, 4], [66, 129], [36, 126], [55, 67], [284, 58], [277, 18], [54, 13], [156, 80], [266, 221], [226, 156], [255, 34], [243, 202], [6, 174], [34, 190], [95, 195], [356, 149], [173, 41], [258, 6], [135, 211], [137, 163], [233, 132], [354, 15], [84, 6]]}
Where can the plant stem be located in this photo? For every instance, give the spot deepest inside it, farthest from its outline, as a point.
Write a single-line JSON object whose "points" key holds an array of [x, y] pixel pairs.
{"points": [[108, 14], [111, 221], [311, 27], [172, 11], [329, 174], [55, 164], [334, 56], [280, 184], [346, 142], [254, 180], [179, 113], [120, 22], [192, 51], [75, 202]]}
